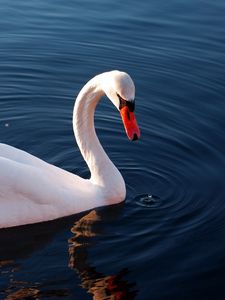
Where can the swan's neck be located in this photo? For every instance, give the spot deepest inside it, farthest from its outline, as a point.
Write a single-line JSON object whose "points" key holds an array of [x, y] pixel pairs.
{"points": [[103, 171]]}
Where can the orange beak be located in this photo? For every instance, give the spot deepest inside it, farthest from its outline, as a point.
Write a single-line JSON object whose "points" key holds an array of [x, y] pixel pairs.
{"points": [[130, 123]]}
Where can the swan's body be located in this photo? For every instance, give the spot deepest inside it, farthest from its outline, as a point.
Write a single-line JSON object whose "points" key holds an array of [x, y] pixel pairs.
{"points": [[32, 190]]}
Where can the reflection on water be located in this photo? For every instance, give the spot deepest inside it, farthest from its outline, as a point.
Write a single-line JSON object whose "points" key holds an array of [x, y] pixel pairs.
{"points": [[29, 291], [33, 293], [100, 286], [86, 231], [17, 245], [22, 290]]}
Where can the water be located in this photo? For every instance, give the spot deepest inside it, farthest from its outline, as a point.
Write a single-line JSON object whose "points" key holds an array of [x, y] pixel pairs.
{"points": [[167, 240]]}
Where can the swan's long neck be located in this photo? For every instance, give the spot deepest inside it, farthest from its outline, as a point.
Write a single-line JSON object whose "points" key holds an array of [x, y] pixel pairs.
{"points": [[103, 171]]}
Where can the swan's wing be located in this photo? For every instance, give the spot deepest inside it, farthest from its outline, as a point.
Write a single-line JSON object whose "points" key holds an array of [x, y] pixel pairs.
{"points": [[32, 190], [30, 194], [26, 194], [20, 156]]}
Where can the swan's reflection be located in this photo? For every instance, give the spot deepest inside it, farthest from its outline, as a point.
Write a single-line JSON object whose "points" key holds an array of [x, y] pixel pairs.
{"points": [[85, 229], [101, 286]]}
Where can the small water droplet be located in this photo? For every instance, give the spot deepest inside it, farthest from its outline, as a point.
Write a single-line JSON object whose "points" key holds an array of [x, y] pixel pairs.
{"points": [[147, 200]]}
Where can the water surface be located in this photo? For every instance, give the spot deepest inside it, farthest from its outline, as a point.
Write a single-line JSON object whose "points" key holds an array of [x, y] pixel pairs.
{"points": [[167, 246]]}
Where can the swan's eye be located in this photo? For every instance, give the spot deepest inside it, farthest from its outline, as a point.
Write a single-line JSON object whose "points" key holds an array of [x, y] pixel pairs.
{"points": [[129, 104]]}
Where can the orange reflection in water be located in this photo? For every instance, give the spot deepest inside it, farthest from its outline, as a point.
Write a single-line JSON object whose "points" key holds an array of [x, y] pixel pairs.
{"points": [[101, 286]]}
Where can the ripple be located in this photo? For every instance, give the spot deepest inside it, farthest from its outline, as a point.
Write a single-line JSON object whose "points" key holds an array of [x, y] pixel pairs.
{"points": [[148, 201]]}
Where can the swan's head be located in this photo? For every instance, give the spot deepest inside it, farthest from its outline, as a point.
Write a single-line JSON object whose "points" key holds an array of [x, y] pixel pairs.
{"points": [[119, 88]]}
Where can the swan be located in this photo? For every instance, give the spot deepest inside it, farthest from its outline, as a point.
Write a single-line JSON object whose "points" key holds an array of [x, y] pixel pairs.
{"points": [[32, 190]]}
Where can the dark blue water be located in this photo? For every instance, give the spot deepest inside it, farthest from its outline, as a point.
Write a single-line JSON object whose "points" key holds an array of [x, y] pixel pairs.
{"points": [[170, 245]]}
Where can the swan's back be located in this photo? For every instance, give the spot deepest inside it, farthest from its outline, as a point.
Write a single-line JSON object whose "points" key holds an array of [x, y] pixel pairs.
{"points": [[20, 156]]}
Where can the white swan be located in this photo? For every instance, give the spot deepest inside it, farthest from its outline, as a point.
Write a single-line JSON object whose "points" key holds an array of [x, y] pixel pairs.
{"points": [[32, 190]]}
